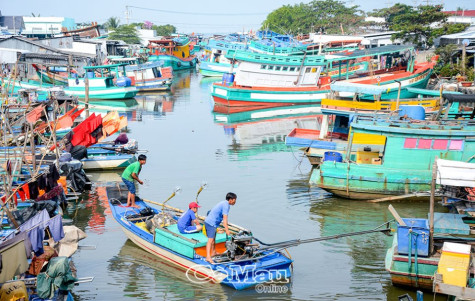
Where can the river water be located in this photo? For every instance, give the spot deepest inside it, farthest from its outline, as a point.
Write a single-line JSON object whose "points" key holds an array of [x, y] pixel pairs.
{"points": [[187, 145]]}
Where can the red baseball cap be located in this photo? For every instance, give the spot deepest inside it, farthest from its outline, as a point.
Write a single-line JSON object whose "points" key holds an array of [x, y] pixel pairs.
{"points": [[194, 205]]}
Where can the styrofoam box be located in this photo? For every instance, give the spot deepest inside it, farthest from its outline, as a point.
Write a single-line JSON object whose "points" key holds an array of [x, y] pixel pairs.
{"points": [[456, 248]]}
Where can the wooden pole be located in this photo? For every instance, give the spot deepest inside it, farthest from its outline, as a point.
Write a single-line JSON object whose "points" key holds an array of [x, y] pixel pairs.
{"points": [[431, 208], [464, 55], [86, 98]]}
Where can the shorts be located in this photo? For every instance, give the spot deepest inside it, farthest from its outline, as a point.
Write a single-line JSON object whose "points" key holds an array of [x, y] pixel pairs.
{"points": [[130, 185], [210, 231], [189, 229]]}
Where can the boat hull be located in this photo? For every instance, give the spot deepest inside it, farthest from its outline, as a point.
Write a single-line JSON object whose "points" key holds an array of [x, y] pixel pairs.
{"points": [[175, 62], [272, 96], [214, 69], [108, 162]]}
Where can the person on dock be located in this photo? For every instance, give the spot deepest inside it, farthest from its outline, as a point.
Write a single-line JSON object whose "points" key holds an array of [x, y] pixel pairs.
{"points": [[218, 214], [188, 223], [130, 174]]}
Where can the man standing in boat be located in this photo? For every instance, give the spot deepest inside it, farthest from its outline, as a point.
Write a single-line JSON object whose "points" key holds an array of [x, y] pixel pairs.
{"points": [[218, 214], [188, 223], [130, 174]]}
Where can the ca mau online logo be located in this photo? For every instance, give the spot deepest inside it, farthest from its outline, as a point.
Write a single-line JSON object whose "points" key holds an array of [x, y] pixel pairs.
{"points": [[248, 274]]}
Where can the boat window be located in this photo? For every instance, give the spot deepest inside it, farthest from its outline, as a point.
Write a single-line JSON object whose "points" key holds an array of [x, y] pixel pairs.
{"points": [[292, 69], [308, 69], [277, 68], [410, 143], [270, 68], [155, 72], [440, 144], [263, 66], [456, 145], [285, 68], [424, 143]]}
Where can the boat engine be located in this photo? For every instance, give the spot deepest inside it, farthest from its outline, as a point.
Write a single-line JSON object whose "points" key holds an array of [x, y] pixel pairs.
{"points": [[240, 247]]}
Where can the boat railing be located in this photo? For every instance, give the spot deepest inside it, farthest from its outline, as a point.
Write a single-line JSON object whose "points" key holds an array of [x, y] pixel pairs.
{"points": [[240, 55], [452, 124]]}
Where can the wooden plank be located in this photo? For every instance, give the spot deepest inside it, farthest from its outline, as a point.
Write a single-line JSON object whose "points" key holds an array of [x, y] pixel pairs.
{"points": [[395, 197], [453, 290], [396, 215]]}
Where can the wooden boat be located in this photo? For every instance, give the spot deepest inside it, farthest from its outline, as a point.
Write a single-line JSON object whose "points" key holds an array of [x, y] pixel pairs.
{"points": [[147, 76], [404, 166], [52, 75], [188, 251], [214, 62], [266, 80], [103, 161], [174, 52], [101, 83]]}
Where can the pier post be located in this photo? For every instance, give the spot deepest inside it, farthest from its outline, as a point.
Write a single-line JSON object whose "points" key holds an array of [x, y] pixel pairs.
{"points": [[431, 209], [86, 98]]}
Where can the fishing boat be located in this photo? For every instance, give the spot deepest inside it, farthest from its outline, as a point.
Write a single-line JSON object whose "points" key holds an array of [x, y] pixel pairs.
{"points": [[404, 165], [214, 62], [101, 160], [434, 253], [52, 75], [103, 83], [188, 251], [267, 80], [174, 52], [278, 45], [147, 76]]}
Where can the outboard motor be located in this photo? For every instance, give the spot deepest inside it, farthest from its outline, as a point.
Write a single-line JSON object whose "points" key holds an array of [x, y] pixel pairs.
{"points": [[240, 247]]}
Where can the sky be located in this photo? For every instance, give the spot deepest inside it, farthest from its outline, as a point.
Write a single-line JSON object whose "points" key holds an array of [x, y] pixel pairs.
{"points": [[187, 15]]}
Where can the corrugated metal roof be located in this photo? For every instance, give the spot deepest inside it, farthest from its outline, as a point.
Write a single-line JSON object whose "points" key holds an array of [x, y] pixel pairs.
{"points": [[461, 35]]}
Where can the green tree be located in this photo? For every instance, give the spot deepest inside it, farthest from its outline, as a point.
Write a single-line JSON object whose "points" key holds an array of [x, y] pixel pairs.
{"points": [[164, 30], [416, 24], [112, 23], [330, 16], [126, 33]]}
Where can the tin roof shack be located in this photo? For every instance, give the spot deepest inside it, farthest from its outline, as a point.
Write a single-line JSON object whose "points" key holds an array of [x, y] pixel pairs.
{"points": [[34, 52], [11, 24]]}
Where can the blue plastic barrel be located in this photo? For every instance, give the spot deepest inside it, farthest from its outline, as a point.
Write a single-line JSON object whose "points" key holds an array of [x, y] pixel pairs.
{"points": [[90, 74], [332, 156], [229, 130], [228, 78], [124, 81], [413, 112]]}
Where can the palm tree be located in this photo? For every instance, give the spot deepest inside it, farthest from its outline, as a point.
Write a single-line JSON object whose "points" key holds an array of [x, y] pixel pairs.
{"points": [[112, 23]]}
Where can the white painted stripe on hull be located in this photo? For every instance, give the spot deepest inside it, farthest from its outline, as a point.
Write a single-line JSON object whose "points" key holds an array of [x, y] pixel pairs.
{"points": [[95, 164], [289, 96], [221, 92], [101, 92], [265, 114]]}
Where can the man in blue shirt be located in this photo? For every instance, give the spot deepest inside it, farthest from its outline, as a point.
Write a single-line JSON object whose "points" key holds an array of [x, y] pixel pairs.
{"points": [[187, 219], [217, 215]]}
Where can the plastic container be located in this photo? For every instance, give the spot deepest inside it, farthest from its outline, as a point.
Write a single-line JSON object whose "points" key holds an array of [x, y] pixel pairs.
{"points": [[454, 264], [332, 156], [415, 232], [228, 78], [413, 112], [123, 81], [90, 74]]}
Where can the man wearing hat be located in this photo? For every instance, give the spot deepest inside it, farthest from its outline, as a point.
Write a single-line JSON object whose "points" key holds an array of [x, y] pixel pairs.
{"points": [[188, 223]]}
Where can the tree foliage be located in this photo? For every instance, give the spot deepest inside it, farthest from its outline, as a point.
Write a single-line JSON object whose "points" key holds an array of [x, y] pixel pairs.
{"points": [[126, 33], [417, 25], [164, 30], [112, 23], [328, 16]]}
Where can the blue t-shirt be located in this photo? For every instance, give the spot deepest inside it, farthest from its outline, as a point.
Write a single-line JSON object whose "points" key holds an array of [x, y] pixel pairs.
{"points": [[185, 220], [215, 216]]}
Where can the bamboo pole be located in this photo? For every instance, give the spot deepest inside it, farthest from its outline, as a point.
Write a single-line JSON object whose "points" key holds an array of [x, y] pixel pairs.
{"points": [[431, 208]]}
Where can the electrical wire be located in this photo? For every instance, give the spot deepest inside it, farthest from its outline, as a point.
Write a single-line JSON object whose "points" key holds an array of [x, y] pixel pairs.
{"points": [[198, 13]]}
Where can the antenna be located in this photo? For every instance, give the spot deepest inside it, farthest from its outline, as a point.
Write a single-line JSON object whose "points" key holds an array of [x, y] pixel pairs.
{"points": [[127, 14], [388, 3]]}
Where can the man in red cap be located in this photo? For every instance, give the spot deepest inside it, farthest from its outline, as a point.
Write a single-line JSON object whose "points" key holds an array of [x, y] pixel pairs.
{"points": [[188, 223]]}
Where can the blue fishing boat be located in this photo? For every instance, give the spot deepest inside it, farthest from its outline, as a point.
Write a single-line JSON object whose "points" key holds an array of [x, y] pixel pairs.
{"points": [[242, 269], [214, 61]]}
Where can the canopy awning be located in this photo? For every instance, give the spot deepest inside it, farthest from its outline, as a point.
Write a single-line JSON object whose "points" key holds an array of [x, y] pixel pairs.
{"points": [[455, 173], [357, 88]]}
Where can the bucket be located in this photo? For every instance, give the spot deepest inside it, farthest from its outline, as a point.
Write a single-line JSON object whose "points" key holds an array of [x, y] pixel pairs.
{"points": [[413, 112], [123, 81], [332, 156], [90, 74], [228, 78]]}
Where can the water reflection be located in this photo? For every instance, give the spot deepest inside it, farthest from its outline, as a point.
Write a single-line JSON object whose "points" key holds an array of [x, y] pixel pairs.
{"points": [[157, 104], [263, 130]]}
